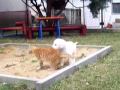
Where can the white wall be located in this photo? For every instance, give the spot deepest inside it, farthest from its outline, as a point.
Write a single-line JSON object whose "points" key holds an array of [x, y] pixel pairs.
{"points": [[12, 5], [116, 1], [91, 22]]}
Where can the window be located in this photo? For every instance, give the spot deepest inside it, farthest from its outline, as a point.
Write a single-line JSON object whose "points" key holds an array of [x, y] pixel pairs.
{"points": [[116, 8]]}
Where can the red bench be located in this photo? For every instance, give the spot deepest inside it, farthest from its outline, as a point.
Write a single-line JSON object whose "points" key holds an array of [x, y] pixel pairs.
{"points": [[11, 28], [13, 21], [20, 26], [82, 29]]}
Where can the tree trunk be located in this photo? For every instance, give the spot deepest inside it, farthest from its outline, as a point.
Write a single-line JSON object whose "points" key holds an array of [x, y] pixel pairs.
{"points": [[49, 7]]}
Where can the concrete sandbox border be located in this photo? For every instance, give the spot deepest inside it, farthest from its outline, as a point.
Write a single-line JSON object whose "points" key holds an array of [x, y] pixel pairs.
{"points": [[41, 84]]}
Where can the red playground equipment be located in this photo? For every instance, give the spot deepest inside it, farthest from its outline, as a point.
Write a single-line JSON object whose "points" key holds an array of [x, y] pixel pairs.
{"points": [[28, 30]]}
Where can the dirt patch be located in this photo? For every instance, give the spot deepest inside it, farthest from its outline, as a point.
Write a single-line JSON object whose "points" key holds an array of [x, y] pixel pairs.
{"points": [[15, 60]]}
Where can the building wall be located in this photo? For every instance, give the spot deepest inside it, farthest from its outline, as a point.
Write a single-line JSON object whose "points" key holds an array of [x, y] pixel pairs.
{"points": [[72, 16], [11, 11], [91, 22], [11, 5], [109, 17]]}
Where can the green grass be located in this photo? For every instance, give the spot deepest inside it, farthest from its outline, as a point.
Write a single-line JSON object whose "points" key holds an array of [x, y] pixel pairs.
{"points": [[19, 86], [103, 75]]}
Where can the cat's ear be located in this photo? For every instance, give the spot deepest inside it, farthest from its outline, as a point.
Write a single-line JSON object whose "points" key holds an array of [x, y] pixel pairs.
{"points": [[30, 52], [32, 48]]}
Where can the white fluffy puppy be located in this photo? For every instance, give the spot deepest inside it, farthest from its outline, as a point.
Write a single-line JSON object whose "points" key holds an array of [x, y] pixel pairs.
{"points": [[67, 47], [59, 44]]}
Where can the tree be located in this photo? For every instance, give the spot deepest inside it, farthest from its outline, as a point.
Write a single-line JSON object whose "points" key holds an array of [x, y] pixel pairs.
{"points": [[48, 7], [51, 5], [97, 5]]}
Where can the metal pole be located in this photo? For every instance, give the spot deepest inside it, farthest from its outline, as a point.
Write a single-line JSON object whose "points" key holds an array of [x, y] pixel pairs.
{"points": [[27, 14], [83, 12], [102, 23]]}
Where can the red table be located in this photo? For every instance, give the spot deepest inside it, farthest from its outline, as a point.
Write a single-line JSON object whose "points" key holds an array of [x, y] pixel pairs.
{"points": [[57, 25]]}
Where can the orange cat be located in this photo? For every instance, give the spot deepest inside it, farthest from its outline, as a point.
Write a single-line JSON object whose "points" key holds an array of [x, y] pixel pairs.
{"points": [[49, 55]]}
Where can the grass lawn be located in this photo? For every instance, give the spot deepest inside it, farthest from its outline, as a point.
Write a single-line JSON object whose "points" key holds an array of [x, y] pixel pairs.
{"points": [[14, 87], [104, 75]]}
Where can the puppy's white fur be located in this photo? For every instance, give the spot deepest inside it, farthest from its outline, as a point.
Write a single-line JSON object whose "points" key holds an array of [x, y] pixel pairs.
{"points": [[59, 43], [67, 47]]}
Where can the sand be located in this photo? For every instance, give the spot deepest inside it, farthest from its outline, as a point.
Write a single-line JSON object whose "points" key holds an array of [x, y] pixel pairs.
{"points": [[15, 60]]}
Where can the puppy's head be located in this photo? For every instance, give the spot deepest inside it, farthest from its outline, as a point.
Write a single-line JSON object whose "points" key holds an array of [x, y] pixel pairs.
{"points": [[58, 43]]}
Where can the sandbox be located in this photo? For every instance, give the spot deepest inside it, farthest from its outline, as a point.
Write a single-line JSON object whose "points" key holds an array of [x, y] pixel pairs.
{"points": [[17, 65]]}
